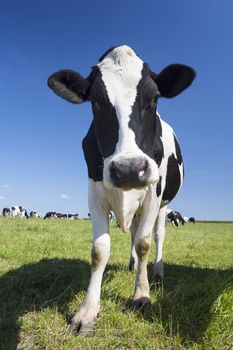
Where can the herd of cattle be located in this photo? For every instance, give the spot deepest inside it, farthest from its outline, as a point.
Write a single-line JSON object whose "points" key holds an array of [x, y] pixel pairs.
{"points": [[20, 211], [173, 216]]}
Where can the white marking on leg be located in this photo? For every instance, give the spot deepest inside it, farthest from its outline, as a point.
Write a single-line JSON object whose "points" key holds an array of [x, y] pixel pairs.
{"points": [[142, 244], [100, 254], [159, 240]]}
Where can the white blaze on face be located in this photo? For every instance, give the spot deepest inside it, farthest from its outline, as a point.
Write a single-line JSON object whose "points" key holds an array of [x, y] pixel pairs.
{"points": [[121, 71]]}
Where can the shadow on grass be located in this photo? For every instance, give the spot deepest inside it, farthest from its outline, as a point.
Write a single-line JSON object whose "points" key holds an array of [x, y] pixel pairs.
{"points": [[49, 283], [183, 306]]}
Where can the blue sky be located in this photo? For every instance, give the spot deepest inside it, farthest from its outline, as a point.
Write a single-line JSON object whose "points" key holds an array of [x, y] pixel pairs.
{"points": [[42, 165]]}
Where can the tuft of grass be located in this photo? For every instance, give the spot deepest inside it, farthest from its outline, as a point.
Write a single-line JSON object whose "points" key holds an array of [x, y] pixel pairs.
{"points": [[45, 270]]}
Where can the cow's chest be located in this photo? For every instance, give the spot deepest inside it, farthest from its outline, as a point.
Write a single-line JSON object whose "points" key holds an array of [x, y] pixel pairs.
{"points": [[125, 204]]}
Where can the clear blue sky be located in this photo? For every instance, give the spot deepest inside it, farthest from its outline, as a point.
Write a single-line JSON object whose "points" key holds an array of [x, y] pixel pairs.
{"points": [[42, 165]]}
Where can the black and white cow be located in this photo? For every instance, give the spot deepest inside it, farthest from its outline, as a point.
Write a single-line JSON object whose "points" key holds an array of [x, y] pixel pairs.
{"points": [[73, 216], [133, 158], [50, 214], [175, 218], [192, 219], [34, 214], [19, 211], [6, 212]]}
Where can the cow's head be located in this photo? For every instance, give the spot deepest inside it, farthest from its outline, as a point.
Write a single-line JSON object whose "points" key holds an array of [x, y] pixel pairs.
{"points": [[124, 92]]}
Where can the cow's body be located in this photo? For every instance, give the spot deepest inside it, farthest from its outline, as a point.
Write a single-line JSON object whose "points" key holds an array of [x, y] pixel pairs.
{"points": [[192, 219], [73, 216], [19, 211], [6, 212], [134, 161], [50, 214], [175, 218], [34, 214]]}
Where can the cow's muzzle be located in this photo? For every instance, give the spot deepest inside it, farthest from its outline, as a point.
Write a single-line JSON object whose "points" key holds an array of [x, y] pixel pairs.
{"points": [[130, 173]]}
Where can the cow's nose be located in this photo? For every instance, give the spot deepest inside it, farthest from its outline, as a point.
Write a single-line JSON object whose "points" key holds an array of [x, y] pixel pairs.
{"points": [[128, 174]]}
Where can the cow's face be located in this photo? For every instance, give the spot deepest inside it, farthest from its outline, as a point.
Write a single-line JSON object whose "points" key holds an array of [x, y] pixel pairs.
{"points": [[124, 93]]}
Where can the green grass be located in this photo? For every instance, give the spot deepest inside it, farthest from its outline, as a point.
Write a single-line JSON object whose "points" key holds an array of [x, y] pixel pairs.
{"points": [[45, 269]]}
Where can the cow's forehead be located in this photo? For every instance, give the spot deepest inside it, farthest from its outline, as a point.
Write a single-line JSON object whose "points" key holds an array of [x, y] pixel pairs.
{"points": [[121, 71], [118, 55]]}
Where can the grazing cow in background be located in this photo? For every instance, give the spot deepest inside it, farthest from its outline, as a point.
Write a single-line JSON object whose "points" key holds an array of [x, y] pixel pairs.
{"points": [[111, 216], [192, 219], [50, 214], [34, 214], [19, 211], [133, 158], [73, 216], [6, 212], [175, 218]]}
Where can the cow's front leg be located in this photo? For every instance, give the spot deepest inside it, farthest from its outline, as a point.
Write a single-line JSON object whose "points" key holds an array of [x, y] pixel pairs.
{"points": [[142, 244], [141, 293], [85, 319]]}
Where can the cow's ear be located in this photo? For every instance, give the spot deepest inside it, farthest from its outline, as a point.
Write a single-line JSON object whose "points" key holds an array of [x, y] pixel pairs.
{"points": [[70, 85], [173, 79]]}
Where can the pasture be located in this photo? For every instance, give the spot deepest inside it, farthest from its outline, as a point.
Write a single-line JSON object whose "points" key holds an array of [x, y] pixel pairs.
{"points": [[45, 269]]}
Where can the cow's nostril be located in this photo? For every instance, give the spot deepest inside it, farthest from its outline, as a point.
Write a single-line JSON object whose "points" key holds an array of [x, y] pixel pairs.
{"points": [[115, 171], [142, 170]]}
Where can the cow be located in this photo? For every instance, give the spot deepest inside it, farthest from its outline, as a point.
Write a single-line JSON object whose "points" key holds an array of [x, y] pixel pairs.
{"points": [[6, 212], [50, 214], [34, 214], [73, 216], [19, 211], [175, 218], [134, 161], [192, 219]]}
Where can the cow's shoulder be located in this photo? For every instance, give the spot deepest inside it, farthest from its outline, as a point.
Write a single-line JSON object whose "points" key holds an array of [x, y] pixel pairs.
{"points": [[92, 155]]}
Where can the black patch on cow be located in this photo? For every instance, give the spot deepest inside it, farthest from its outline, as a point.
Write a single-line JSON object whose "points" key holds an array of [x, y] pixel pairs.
{"points": [[158, 187], [178, 151], [173, 79], [144, 121], [106, 124], [172, 179], [92, 155], [159, 126]]}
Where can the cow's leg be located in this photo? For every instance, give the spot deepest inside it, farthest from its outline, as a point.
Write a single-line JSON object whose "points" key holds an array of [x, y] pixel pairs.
{"points": [[133, 262], [142, 244], [159, 239], [85, 319]]}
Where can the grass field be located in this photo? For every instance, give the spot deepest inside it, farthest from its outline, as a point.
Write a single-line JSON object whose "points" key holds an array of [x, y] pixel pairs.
{"points": [[44, 273]]}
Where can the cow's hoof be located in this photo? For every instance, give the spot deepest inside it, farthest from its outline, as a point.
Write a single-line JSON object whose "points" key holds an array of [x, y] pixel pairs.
{"points": [[80, 329], [140, 303]]}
